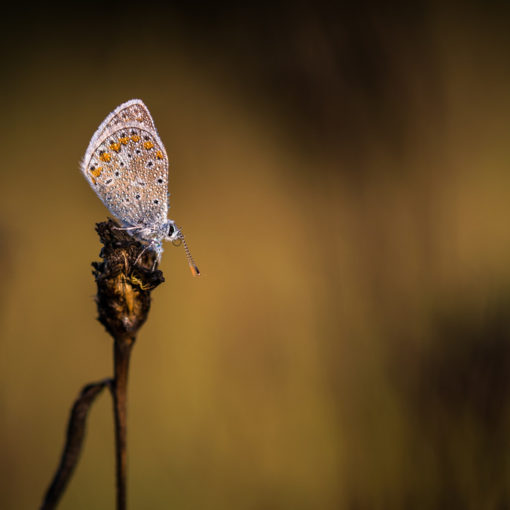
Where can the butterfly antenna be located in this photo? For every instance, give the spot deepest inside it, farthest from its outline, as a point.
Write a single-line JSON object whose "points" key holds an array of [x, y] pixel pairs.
{"points": [[194, 268]]}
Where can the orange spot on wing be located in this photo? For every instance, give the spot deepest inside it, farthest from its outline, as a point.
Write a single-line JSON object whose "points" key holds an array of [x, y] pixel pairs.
{"points": [[97, 171], [115, 147], [159, 155], [106, 156], [148, 145], [135, 138], [124, 140]]}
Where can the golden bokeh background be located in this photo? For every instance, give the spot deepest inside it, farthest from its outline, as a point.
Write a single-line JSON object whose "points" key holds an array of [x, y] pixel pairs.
{"points": [[342, 175]]}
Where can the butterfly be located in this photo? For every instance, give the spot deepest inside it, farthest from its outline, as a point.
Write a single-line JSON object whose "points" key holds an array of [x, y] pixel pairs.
{"points": [[126, 164]]}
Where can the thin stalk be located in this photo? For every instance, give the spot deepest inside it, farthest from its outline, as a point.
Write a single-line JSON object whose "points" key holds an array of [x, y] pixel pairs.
{"points": [[121, 353], [73, 444]]}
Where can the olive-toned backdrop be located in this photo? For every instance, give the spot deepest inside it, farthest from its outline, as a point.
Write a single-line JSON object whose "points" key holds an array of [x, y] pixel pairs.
{"points": [[343, 178]]}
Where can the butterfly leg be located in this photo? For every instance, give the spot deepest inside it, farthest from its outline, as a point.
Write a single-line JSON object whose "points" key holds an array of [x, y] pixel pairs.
{"points": [[141, 253]]}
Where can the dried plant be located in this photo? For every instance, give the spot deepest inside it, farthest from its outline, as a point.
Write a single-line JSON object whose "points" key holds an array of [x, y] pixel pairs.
{"points": [[125, 279]]}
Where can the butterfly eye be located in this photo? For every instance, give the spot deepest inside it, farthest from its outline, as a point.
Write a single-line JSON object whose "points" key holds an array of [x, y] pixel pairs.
{"points": [[171, 229]]}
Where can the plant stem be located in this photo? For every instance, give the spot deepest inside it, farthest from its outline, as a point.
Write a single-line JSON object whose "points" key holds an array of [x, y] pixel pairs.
{"points": [[73, 443], [121, 353]]}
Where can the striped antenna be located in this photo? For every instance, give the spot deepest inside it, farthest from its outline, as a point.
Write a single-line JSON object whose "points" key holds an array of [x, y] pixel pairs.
{"points": [[193, 267]]}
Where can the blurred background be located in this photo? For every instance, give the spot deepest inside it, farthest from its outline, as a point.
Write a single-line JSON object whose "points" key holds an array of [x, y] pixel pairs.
{"points": [[342, 174]]}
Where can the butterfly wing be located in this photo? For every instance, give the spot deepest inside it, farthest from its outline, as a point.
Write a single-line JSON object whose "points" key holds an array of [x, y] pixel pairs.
{"points": [[127, 166], [133, 111]]}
